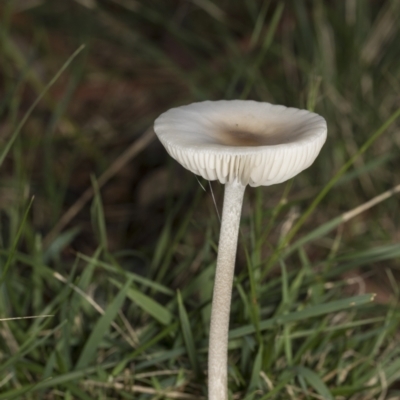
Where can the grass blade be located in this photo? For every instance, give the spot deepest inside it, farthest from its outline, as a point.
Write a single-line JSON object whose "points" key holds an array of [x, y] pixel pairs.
{"points": [[35, 103], [255, 375], [149, 305], [100, 328], [315, 381], [15, 244], [187, 334], [309, 312]]}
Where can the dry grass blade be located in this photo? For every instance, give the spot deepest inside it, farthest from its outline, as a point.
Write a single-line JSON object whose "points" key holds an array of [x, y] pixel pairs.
{"points": [[119, 163], [132, 341], [212, 9], [384, 29], [365, 206], [28, 317], [142, 389]]}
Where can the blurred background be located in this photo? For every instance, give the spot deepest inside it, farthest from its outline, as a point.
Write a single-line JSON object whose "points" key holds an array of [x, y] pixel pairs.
{"points": [[108, 201]]}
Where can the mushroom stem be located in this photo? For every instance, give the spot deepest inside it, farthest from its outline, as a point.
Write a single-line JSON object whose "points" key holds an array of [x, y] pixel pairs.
{"points": [[221, 303]]}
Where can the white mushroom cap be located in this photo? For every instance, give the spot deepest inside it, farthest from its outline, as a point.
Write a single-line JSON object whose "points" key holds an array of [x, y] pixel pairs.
{"points": [[242, 140]]}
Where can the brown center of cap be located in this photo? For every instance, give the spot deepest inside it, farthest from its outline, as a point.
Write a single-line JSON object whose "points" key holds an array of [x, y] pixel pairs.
{"points": [[236, 135]]}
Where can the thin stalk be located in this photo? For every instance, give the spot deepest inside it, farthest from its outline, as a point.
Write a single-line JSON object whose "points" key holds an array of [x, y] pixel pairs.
{"points": [[221, 303]]}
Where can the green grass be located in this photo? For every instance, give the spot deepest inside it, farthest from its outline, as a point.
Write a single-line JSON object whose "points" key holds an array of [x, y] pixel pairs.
{"points": [[116, 305]]}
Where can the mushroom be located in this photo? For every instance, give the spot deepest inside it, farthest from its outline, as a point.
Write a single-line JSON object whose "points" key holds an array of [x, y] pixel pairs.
{"points": [[239, 143]]}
